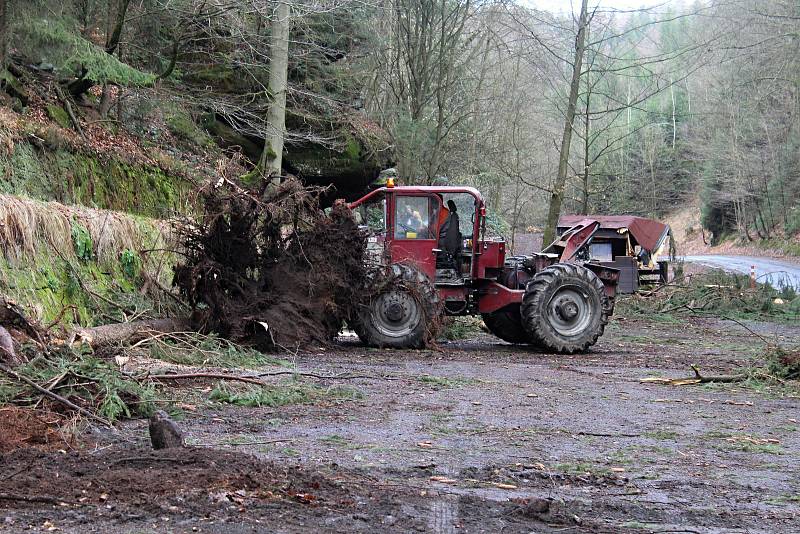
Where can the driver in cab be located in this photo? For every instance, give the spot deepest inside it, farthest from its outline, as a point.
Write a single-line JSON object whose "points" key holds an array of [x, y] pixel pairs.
{"points": [[413, 226]]}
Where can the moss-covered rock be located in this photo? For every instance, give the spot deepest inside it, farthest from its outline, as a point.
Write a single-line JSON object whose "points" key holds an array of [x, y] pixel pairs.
{"points": [[227, 137], [59, 115], [184, 128], [346, 169], [13, 87], [56, 40], [47, 284], [46, 275], [350, 167], [350, 164], [219, 78]]}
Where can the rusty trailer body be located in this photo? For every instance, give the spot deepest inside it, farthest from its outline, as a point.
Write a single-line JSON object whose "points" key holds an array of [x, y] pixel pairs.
{"points": [[637, 246]]}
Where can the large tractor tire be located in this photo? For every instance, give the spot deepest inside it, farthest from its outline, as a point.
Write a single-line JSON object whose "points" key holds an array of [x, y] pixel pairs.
{"points": [[403, 314], [565, 308], [507, 325]]}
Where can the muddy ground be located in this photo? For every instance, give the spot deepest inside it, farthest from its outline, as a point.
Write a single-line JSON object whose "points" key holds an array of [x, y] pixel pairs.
{"points": [[478, 437]]}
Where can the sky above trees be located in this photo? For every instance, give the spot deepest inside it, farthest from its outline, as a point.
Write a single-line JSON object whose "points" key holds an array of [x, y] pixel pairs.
{"points": [[565, 6]]}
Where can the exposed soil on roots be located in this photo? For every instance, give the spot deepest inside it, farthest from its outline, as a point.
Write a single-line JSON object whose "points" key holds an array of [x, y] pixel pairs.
{"points": [[266, 267]]}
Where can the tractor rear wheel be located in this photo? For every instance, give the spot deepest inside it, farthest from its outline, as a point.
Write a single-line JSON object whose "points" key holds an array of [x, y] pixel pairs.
{"points": [[506, 324], [403, 313], [565, 308]]}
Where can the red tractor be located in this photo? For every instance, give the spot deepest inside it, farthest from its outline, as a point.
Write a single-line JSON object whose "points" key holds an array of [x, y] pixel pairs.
{"points": [[434, 244]]}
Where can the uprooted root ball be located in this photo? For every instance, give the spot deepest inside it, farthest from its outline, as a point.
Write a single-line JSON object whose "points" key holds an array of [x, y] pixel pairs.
{"points": [[266, 267]]}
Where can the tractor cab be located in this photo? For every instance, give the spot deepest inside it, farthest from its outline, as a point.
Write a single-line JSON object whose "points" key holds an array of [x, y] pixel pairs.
{"points": [[439, 230]]}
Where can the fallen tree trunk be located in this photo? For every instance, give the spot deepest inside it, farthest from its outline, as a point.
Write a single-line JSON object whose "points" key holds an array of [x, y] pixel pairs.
{"points": [[130, 332]]}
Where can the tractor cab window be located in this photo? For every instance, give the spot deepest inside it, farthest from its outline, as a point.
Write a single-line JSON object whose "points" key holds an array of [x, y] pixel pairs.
{"points": [[465, 207], [413, 216], [371, 216]]}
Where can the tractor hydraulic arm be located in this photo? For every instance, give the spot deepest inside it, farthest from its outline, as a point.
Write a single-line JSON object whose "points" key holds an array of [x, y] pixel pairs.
{"points": [[573, 240]]}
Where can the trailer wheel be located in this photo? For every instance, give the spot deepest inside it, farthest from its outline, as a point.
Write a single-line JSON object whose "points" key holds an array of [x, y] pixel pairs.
{"points": [[403, 313], [507, 325], [565, 308]]}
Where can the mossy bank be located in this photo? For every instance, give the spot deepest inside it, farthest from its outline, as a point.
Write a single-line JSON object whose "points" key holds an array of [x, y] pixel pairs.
{"points": [[91, 180]]}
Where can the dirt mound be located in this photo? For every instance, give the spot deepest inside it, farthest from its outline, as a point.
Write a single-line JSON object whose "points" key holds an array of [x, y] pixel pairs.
{"points": [[208, 490], [265, 266], [687, 231], [23, 427], [211, 490], [145, 476]]}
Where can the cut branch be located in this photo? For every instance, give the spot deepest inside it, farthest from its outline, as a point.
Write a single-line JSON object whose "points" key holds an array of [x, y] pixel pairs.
{"points": [[133, 331], [697, 379]]}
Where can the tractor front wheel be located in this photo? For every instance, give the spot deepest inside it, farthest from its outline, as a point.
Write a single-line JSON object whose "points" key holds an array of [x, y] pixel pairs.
{"points": [[403, 313], [564, 308]]}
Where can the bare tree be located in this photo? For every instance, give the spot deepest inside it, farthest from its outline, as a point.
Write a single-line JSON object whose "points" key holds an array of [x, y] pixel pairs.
{"points": [[424, 78], [560, 182]]}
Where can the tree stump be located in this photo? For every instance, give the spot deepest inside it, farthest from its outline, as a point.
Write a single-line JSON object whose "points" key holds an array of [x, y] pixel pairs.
{"points": [[7, 353], [164, 432]]}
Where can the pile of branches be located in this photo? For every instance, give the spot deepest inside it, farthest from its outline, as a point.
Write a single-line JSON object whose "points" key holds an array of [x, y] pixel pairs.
{"points": [[266, 267], [71, 381], [718, 293], [42, 373]]}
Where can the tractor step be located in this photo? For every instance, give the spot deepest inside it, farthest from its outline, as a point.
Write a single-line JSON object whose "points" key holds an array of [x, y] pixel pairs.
{"points": [[449, 278]]}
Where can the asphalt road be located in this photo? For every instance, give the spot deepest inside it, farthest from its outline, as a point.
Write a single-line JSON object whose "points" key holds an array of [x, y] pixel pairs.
{"points": [[775, 272]]}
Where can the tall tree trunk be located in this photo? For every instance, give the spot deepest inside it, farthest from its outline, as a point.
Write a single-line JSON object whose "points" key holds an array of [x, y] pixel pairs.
{"points": [[3, 32], [272, 155], [674, 121], [105, 101], [586, 148], [557, 196], [173, 57]]}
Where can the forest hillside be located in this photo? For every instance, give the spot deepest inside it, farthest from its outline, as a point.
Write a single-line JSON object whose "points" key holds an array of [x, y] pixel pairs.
{"points": [[115, 111]]}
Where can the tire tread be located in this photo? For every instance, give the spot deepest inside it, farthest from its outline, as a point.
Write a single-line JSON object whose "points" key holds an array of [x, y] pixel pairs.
{"points": [[532, 310]]}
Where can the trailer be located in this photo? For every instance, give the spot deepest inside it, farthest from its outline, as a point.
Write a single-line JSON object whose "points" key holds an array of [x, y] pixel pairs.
{"points": [[640, 248]]}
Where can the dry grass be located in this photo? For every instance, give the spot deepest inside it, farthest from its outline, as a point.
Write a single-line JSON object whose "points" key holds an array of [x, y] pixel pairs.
{"points": [[29, 226]]}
